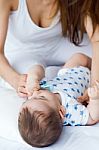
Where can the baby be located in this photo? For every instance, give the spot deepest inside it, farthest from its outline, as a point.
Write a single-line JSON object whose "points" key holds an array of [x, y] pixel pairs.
{"points": [[55, 104]]}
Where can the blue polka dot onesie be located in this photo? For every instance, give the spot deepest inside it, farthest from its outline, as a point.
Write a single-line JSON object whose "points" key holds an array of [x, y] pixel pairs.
{"points": [[71, 83]]}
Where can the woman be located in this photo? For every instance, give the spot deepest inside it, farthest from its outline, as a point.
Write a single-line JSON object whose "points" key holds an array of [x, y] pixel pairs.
{"points": [[30, 33]]}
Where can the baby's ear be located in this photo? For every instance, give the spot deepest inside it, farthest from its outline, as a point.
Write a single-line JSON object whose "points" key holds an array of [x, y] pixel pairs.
{"points": [[62, 111]]}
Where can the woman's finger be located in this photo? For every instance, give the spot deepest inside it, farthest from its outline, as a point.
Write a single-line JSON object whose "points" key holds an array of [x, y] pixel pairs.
{"points": [[97, 84], [22, 90], [23, 80], [22, 83], [23, 77], [22, 95], [90, 91]]}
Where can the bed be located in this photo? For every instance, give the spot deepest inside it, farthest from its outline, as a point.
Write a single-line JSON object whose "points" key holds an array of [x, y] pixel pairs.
{"points": [[72, 138]]}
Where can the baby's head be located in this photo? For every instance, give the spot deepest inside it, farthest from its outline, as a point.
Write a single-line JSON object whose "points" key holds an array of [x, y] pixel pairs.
{"points": [[40, 119]]}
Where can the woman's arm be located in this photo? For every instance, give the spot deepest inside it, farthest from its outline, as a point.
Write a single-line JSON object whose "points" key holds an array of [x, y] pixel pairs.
{"points": [[94, 38], [6, 71]]}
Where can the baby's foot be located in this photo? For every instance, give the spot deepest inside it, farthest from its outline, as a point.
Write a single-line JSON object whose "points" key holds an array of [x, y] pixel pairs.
{"points": [[93, 92]]}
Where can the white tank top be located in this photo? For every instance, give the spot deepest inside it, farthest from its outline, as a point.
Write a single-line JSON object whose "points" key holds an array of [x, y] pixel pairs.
{"points": [[27, 44]]}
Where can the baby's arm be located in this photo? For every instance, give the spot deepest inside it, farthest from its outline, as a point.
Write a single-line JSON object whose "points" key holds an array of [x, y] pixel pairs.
{"points": [[78, 59], [93, 105], [34, 75]]}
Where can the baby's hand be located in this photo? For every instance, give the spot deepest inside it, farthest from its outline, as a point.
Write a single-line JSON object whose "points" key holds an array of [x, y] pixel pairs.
{"points": [[84, 98], [93, 92], [32, 85]]}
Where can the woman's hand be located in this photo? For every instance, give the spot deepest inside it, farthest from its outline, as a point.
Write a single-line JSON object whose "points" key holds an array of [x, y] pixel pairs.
{"points": [[93, 92], [21, 90]]}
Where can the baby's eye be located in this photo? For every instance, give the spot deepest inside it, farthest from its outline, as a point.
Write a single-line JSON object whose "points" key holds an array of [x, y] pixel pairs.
{"points": [[42, 97]]}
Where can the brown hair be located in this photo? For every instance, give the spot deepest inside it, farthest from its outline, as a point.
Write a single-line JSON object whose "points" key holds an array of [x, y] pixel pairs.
{"points": [[70, 15], [38, 128], [73, 14]]}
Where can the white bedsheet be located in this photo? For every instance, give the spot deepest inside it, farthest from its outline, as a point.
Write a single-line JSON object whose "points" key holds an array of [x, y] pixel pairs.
{"points": [[72, 138]]}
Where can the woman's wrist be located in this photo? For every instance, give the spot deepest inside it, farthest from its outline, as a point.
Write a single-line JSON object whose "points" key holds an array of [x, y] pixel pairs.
{"points": [[15, 81]]}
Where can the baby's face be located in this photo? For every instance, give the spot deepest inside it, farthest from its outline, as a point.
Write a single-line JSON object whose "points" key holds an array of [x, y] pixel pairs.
{"points": [[42, 100]]}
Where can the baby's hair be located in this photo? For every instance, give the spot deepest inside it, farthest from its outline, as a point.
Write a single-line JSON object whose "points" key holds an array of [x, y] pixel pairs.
{"points": [[39, 128]]}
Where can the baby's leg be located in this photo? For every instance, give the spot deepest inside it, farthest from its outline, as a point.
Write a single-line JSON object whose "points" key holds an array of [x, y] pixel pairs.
{"points": [[93, 105], [78, 59]]}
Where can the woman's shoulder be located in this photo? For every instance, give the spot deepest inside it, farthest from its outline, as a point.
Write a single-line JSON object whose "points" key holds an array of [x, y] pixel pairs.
{"points": [[10, 4]]}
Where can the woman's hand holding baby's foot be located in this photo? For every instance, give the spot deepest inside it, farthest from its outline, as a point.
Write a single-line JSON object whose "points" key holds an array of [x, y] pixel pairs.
{"points": [[93, 105], [93, 92]]}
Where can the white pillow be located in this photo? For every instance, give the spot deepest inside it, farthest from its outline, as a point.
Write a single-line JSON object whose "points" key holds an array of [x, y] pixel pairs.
{"points": [[9, 107]]}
